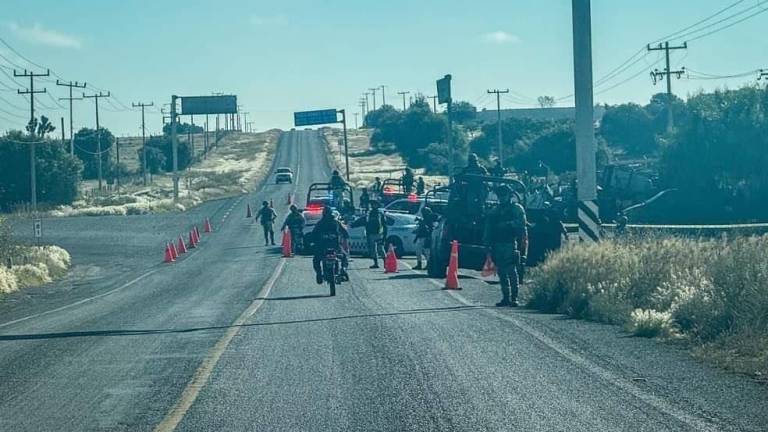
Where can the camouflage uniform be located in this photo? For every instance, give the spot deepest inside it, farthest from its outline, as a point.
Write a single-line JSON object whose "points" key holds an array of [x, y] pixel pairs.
{"points": [[505, 230]]}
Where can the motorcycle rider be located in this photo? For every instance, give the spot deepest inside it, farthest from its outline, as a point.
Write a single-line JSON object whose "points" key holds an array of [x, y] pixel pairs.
{"points": [[295, 223], [328, 234], [505, 237]]}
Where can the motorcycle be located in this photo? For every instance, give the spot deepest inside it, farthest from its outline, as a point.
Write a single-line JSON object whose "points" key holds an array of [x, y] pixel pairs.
{"points": [[331, 266]]}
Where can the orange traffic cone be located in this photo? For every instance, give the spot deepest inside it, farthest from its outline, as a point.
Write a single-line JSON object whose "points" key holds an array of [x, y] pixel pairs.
{"points": [[192, 243], [390, 261], [182, 248], [287, 243], [208, 227], [174, 252], [168, 255], [452, 274], [197, 234], [248, 212]]}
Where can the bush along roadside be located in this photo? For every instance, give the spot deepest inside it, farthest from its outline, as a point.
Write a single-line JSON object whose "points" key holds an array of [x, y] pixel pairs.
{"points": [[34, 266], [711, 293]]}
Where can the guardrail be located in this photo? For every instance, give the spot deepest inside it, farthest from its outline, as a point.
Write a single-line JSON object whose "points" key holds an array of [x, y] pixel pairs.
{"points": [[687, 230]]}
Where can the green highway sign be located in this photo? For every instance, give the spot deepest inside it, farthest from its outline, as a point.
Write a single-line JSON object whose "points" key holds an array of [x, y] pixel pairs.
{"points": [[226, 104], [309, 118], [444, 89]]}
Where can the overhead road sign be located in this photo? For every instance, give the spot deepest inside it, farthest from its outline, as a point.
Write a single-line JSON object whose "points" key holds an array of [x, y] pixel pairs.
{"points": [[226, 104], [319, 117]]}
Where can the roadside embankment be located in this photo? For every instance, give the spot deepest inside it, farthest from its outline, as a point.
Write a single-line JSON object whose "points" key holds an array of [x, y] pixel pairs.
{"points": [[237, 163], [711, 294], [33, 266], [365, 164]]}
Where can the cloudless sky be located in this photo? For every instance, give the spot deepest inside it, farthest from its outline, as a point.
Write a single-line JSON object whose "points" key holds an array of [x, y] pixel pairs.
{"points": [[283, 56]]}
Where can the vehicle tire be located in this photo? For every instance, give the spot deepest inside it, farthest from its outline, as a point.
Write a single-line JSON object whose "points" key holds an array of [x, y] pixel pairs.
{"points": [[436, 265], [332, 284], [397, 244]]}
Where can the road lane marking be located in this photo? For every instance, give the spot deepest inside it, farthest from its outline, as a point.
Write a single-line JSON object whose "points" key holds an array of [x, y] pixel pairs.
{"points": [[79, 302], [203, 372], [656, 402]]}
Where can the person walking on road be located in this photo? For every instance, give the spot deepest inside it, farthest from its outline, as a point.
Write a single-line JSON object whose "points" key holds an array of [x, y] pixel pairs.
{"points": [[375, 232], [424, 236], [267, 216], [505, 236], [295, 223]]}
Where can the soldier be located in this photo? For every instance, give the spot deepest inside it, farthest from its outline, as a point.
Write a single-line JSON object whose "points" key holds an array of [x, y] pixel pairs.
{"points": [[421, 187], [505, 236], [295, 223], [473, 166], [407, 180], [267, 216]]}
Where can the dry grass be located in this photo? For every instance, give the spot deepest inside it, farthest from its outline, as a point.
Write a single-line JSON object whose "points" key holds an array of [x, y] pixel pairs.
{"points": [[41, 265], [712, 292], [365, 164], [233, 167]]}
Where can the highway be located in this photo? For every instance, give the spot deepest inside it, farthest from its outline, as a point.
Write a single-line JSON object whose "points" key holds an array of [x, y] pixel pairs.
{"points": [[235, 338]]}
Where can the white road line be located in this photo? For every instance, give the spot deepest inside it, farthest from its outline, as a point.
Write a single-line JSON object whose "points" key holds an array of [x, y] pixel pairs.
{"points": [[203, 372], [658, 403], [79, 302]]}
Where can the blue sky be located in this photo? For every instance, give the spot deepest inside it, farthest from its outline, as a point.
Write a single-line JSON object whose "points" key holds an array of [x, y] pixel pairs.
{"points": [[279, 57]]}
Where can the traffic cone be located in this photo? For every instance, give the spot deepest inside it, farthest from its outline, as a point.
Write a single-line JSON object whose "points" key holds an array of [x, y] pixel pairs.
{"points": [[168, 255], [248, 212], [197, 235], [287, 243], [390, 261], [174, 252], [192, 243], [290, 200], [208, 227], [452, 274], [182, 248]]}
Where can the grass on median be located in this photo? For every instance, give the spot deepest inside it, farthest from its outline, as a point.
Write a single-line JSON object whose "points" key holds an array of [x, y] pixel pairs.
{"points": [[713, 293]]}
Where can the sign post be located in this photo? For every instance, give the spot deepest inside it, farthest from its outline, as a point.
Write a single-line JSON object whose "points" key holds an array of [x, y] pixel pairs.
{"points": [[444, 97], [320, 117], [37, 226]]}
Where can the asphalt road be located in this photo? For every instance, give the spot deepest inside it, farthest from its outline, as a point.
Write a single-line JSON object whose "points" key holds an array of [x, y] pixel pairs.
{"points": [[234, 338]]}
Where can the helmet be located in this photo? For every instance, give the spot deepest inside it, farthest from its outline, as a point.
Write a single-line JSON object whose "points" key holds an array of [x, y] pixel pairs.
{"points": [[472, 157], [293, 207]]}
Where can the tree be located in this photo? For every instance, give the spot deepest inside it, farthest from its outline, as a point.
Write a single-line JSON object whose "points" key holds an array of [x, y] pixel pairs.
{"points": [[514, 131], [58, 173], [183, 128], [463, 113], [555, 146], [163, 145], [629, 127], [383, 115], [44, 127], [657, 109], [87, 149], [546, 101]]}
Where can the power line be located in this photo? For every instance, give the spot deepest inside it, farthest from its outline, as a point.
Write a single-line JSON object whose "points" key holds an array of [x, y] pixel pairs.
{"points": [[96, 98], [667, 73], [672, 35], [71, 85], [498, 94]]}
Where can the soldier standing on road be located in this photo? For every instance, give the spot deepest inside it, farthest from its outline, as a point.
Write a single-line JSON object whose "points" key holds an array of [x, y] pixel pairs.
{"points": [[375, 232], [505, 234], [267, 216], [473, 166], [423, 233], [376, 188]]}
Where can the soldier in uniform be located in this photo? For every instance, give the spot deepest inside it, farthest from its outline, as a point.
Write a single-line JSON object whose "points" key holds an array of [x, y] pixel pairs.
{"points": [[505, 236]]}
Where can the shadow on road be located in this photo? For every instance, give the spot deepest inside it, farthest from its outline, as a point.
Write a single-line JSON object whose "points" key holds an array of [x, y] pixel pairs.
{"points": [[105, 333]]}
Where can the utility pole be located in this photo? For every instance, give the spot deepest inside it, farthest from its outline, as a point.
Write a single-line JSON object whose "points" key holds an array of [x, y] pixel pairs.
{"points": [[144, 136], [63, 137], [245, 119], [206, 140], [71, 85], [584, 128], [383, 96], [175, 146], [96, 97], [356, 114], [434, 103], [367, 109], [346, 146], [373, 92], [249, 126], [362, 109], [667, 72], [403, 93], [498, 119], [117, 150], [32, 92]]}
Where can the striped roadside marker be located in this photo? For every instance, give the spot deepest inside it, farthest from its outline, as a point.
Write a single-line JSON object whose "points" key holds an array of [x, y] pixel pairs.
{"points": [[589, 221]]}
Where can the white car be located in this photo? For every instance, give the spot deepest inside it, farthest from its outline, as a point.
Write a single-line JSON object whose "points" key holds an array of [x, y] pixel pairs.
{"points": [[414, 206], [400, 234], [283, 174]]}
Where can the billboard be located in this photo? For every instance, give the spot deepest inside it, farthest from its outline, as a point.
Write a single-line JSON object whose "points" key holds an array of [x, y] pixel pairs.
{"points": [[308, 118], [209, 104], [444, 89]]}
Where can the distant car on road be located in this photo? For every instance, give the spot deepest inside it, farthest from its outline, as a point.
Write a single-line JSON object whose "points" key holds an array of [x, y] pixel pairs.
{"points": [[283, 174], [400, 234]]}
